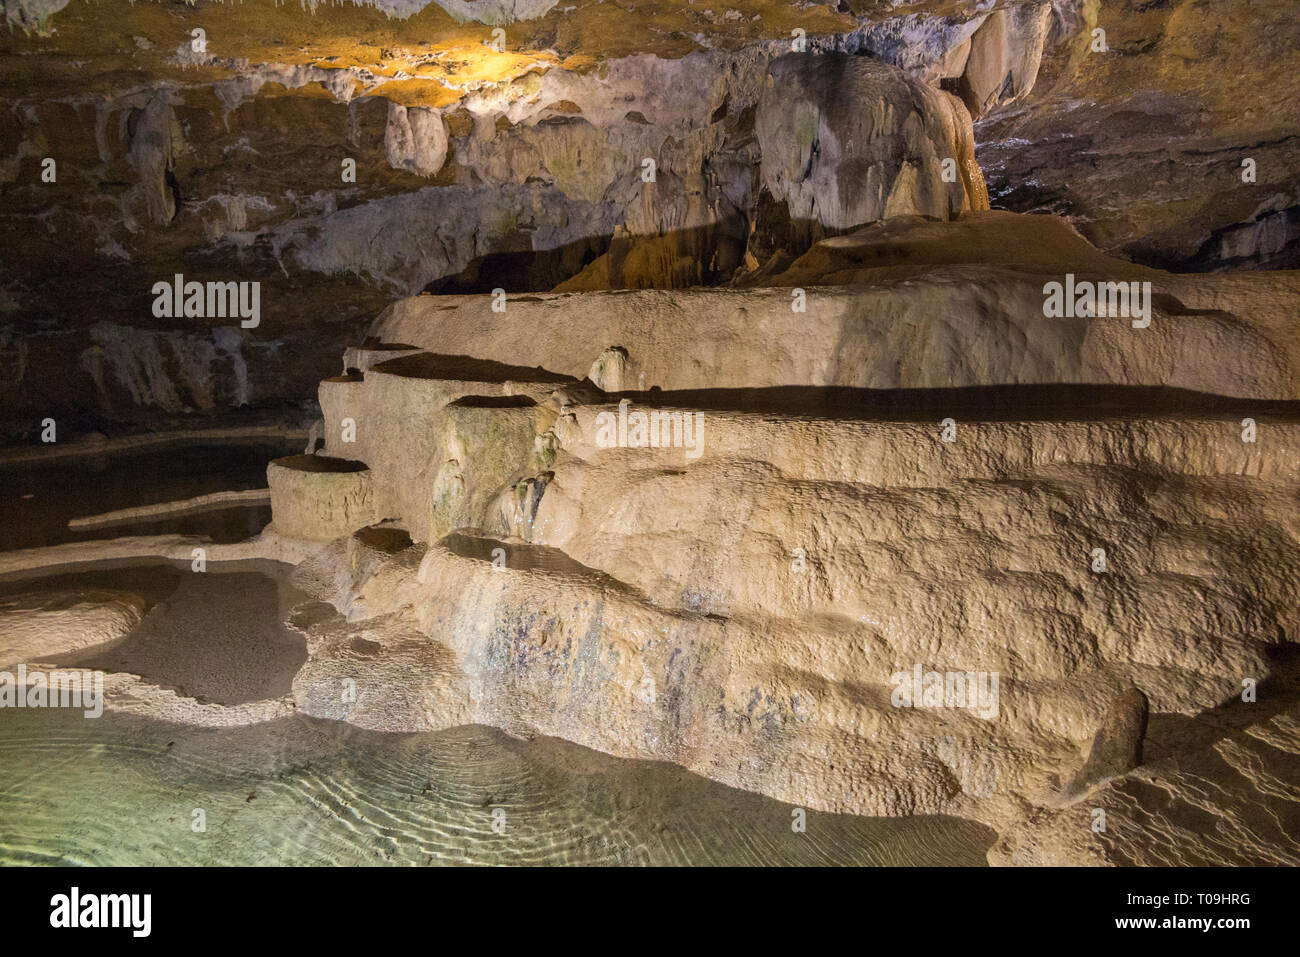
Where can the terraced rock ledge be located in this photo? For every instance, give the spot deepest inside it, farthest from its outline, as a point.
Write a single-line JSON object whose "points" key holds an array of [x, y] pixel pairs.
{"points": [[734, 581]]}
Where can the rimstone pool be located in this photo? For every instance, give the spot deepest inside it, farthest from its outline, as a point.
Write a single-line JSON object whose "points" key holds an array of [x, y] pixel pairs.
{"points": [[131, 788], [126, 790], [645, 431]]}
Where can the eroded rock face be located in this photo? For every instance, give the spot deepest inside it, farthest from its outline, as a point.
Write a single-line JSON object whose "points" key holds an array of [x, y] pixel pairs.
{"points": [[391, 151], [1214, 790], [545, 176], [977, 293], [1144, 144], [819, 112], [523, 166], [766, 629], [1117, 746], [1002, 57]]}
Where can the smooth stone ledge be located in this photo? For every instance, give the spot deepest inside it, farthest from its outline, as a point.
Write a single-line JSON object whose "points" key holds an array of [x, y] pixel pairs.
{"points": [[271, 545]]}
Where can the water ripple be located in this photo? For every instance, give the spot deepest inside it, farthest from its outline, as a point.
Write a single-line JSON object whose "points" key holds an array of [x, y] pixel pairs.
{"points": [[123, 789]]}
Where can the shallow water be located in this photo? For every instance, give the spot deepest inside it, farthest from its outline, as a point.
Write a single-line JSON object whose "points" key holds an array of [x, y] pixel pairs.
{"points": [[216, 637], [38, 499], [123, 790]]}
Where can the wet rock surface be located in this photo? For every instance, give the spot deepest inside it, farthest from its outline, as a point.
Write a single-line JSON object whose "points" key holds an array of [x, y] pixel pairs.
{"points": [[708, 393], [767, 595]]}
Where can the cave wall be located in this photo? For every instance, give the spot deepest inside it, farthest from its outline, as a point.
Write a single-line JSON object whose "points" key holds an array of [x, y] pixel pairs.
{"points": [[520, 161]]}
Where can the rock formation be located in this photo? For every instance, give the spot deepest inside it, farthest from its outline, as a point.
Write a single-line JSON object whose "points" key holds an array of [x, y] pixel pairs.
{"points": [[1117, 746], [890, 407], [739, 562], [394, 148]]}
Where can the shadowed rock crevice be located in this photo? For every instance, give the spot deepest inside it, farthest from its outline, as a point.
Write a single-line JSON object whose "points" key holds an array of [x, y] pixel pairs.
{"points": [[1117, 746]]}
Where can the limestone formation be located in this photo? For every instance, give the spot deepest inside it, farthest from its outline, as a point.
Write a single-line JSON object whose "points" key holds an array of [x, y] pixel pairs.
{"points": [[37, 625], [1117, 746], [744, 579], [820, 117], [978, 297], [318, 498], [645, 161], [886, 407]]}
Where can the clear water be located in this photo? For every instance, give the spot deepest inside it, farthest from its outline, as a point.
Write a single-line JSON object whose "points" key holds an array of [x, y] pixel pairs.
{"points": [[123, 790]]}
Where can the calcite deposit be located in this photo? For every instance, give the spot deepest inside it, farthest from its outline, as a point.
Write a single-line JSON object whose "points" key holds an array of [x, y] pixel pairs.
{"points": [[736, 580], [37, 624], [888, 407], [346, 154]]}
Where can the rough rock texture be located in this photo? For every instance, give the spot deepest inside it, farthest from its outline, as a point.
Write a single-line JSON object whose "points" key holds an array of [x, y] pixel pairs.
{"points": [[592, 150], [479, 163], [1117, 746], [741, 602], [964, 310], [318, 498], [441, 435], [843, 143], [1143, 145], [777, 679], [1215, 789]]}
